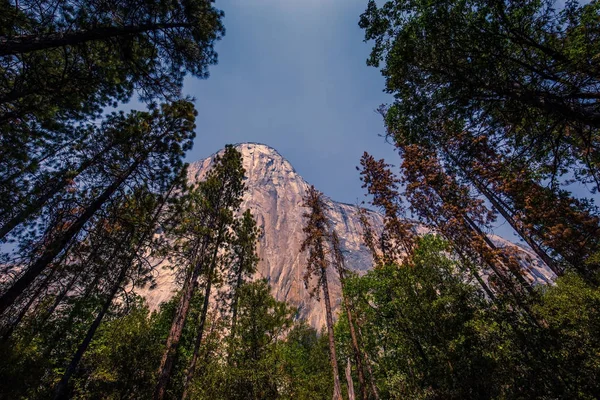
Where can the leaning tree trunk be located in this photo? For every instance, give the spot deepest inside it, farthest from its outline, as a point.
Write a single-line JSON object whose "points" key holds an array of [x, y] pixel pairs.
{"points": [[501, 207], [55, 186], [11, 295], [13, 325]]}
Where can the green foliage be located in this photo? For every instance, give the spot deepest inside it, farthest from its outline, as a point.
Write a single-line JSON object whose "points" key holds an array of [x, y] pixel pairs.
{"points": [[430, 334], [305, 364], [252, 365], [121, 362], [523, 70]]}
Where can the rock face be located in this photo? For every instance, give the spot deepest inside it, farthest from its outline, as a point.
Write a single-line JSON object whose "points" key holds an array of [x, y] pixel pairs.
{"points": [[274, 195]]}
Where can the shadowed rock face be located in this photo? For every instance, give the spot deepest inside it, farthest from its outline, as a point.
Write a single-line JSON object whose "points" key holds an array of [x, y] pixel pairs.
{"points": [[274, 195]]}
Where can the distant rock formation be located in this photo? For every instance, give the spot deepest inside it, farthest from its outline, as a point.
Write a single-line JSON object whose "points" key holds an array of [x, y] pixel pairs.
{"points": [[274, 195]]}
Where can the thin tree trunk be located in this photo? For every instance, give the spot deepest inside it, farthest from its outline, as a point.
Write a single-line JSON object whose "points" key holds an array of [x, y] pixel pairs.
{"points": [[76, 277], [355, 346], [369, 369], [168, 358], [61, 389], [349, 381], [176, 331], [9, 297], [29, 43], [492, 246], [495, 201], [234, 302], [65, 326], [337, 389], [476, 275]]}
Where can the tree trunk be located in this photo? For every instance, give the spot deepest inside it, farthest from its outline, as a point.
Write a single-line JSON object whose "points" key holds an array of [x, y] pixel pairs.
{"points": [[500, 207], [234, 302], [337, 390], [358, 359], [61, 389], [526, 285], [29, 43], [349, 381], [168, 358], [369, 369], [65, 326], [9, 297], [199, 335]]}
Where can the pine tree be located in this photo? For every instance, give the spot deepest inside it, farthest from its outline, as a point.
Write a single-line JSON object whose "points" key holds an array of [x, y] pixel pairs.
{"points": [[316, 232], [524, 70], [397, 238], [157, 141], [65, 62], [207, 215]]}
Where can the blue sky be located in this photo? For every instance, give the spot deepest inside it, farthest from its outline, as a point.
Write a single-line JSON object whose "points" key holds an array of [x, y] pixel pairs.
{"points": [[292, 74]]}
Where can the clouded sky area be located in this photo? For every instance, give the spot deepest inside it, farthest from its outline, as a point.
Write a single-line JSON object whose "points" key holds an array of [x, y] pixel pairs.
{"points": [[292, 74]]}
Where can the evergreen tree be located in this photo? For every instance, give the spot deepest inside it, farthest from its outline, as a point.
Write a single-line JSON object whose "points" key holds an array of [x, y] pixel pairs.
{"points": [[316, 243], [204, 229], [64, 62], [157, 140], [522, 70], [253, 368]]}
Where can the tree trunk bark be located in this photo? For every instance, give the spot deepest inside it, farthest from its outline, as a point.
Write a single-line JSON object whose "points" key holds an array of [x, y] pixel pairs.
{"points": [[349, 381]]}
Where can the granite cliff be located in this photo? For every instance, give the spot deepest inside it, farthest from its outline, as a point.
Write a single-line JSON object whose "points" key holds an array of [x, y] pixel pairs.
{"points": [[274, 195]]}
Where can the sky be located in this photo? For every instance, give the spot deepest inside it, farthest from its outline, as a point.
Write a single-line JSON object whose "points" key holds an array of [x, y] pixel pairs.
{"points": [[292, 74]]}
